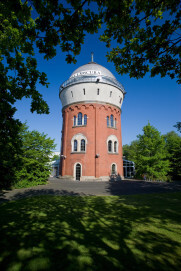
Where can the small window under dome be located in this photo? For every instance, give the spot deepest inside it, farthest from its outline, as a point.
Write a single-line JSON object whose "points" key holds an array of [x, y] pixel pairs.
{"points": [[79, 118]]}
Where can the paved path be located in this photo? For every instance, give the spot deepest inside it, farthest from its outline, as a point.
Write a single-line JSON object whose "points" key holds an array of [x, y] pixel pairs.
{"points": [[57, 186]]}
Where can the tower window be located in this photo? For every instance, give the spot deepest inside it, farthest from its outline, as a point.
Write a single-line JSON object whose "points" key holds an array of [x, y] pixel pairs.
{"points": [[82, 147], [107, 121], [78, 143], [110, 93], [115, 146], [85, 119], [74, 120], [109, 146], [84, 90], [75, 145], [72, 93], [80, 118], [112, 121], [98, 91]]}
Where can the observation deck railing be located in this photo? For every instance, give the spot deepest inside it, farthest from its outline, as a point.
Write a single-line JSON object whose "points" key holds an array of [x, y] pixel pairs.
{"points": [[101, 79]]}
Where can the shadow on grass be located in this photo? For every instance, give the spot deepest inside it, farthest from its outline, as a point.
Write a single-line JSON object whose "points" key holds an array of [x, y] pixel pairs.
{"points": [[91, 233], [37, 192]]}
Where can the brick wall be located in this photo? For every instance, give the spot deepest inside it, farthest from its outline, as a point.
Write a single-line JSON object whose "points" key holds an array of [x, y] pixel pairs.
{"points": [[96, 132]]}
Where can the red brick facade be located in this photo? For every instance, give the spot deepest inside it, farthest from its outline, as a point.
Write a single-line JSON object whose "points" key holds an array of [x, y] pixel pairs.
{"points": [[96, 133]]}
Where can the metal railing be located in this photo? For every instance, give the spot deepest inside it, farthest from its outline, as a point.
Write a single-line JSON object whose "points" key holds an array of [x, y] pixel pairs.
{"points": [[101, 79]]}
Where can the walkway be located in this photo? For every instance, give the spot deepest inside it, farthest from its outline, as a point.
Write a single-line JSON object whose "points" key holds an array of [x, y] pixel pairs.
{"points": [[61, 187]]}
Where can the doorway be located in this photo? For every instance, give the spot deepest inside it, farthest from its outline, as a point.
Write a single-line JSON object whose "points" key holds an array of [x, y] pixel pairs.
{"points": [[78, 172]]}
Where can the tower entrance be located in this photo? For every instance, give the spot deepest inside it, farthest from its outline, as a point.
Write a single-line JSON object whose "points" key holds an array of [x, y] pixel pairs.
{"points": [[78, 172]]}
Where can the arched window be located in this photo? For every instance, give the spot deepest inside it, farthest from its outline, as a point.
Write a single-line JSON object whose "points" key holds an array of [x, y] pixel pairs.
{"points": [[112, 121], [115, 146], [115, 123], [85, 119], [82, 146], [113, 169], [79, 118], [78, 143], [74, 120], [75, 145], [107, 121], [109, 146]]}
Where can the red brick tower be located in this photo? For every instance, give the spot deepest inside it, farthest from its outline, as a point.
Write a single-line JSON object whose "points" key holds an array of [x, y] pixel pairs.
{"points": [[91, 134]]}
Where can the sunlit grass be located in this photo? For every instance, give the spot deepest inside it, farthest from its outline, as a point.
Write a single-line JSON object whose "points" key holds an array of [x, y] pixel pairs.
{"points": [[91, 233]]}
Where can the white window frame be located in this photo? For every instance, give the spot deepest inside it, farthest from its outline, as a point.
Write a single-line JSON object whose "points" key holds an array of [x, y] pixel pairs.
{"points": [[78, 137], [113, 138]]}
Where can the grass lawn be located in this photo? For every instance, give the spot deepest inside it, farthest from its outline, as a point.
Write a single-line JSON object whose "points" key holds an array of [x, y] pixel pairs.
{"points": [[91, 233]]}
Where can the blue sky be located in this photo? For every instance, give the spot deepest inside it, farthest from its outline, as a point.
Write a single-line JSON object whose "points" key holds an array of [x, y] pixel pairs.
{"points": [[157, 100]]}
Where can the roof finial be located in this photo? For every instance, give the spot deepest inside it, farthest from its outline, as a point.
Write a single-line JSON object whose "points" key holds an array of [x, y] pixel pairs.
{"points": [[92, 57]]}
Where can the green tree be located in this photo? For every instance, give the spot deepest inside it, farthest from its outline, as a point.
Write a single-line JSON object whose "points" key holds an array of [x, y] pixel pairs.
{"points": [[10, 146], [178, 126], [55, 157], [147, 35], [36, 151], [173, 147], [129, 151], [150, 154]]}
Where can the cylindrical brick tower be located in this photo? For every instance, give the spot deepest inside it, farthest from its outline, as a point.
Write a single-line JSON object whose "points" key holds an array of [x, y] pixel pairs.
{"points": [[91, 146]]}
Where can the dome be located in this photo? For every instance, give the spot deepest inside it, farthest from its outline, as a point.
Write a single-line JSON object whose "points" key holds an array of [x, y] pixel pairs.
{"points": [[92, 72], [92, 69]]}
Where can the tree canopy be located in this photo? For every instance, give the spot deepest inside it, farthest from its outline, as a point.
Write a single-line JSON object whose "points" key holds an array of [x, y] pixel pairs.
{"points": [[149, 154], [173, 147], [148, 36], [35, 158], [153, 152]]}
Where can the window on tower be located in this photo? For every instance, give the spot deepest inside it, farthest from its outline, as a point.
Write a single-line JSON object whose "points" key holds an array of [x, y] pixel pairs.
{"points": [[75, 120], [112, 144], [78, 143], [107, 121], [115, 146], [75, 145], [79, 118], [85, 119], [82, 147], [111, 122], [109, 146]]}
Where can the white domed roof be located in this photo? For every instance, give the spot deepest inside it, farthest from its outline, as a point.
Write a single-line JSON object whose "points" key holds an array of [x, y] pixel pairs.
{"points": [[92, 72], [92, 69]]}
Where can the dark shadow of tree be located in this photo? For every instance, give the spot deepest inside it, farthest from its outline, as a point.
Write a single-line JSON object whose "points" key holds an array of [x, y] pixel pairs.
{"points": [[88, 233]]}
